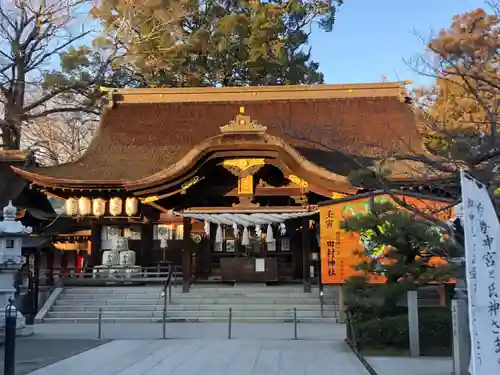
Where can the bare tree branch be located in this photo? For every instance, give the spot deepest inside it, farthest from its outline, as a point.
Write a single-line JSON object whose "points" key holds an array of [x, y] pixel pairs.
{"points": [[36, 35]]}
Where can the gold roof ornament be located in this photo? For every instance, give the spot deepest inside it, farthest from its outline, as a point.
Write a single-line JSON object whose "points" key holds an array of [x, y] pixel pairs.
{"points": [[108, 96], [243, 124]]}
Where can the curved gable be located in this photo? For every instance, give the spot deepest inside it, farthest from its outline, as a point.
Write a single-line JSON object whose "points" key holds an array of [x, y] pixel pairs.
{"points": [[336, 127]]}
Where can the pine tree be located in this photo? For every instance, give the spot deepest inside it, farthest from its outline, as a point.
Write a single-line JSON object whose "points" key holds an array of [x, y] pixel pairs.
{"points": [[403, 247], [216, 42]]}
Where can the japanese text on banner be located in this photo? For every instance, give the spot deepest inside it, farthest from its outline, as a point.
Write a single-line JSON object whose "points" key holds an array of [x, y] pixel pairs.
{"points": [[482, 251]]}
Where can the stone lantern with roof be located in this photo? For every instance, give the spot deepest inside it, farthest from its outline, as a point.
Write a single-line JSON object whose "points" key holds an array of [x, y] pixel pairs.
{"points": [[11, 259]]}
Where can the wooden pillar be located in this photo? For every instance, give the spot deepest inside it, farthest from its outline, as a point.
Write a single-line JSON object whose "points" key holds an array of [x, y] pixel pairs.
{"points": [[37, 281], [95, 244], [186, 255], [64, 265], [49, 265], [306, 254], [442, 296], [145, 258], [295, 246]]}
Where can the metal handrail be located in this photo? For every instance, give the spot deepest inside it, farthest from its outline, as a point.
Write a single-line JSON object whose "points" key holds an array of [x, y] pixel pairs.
{"points": [[167, 286], [321, 300], [351, 333]]}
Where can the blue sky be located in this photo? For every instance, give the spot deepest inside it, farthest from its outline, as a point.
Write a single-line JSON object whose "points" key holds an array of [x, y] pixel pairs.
{"points": [[372, 37]]}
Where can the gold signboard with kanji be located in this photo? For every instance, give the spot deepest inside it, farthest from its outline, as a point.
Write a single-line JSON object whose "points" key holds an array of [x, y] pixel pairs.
{"points": [[245, 185], [340, 250]]}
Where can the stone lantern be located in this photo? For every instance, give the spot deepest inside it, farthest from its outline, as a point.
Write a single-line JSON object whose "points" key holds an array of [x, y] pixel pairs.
{"points": [[11, 260]]}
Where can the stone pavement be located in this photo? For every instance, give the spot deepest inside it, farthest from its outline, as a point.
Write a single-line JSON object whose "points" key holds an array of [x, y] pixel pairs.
{"points": [[203, 348], [134, 331], [33, 354], [411, 366], [212, 357]]}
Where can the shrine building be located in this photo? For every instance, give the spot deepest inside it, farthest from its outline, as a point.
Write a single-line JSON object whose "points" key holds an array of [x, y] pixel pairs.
{"points": [[225, 183]]}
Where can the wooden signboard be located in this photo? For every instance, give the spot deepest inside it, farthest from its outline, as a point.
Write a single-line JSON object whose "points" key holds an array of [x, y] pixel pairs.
{"points": [[340, 250]]}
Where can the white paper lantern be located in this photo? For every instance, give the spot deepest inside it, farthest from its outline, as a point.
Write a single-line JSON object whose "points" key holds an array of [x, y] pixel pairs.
{"points": [[131, 206], [84, 206], [115, 206], [99, 207], [72, 207]]}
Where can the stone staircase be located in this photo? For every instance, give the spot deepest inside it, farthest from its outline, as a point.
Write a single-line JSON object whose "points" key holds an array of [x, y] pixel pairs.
{"points": [[249, 303]]}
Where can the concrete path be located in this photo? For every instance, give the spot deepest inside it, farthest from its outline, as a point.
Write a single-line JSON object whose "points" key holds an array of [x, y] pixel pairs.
{"points": [[135, 331], [33, 354], [211, 357], [411, 366]]}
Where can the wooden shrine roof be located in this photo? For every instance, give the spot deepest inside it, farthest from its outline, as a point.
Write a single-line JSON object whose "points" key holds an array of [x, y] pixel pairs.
{"points": [[11, 185], [336, 127]]}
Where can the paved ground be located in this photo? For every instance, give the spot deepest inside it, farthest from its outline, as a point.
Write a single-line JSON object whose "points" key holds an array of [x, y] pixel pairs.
{"points": [[211, 357], [411, 366], [192, 348], [33, 354], [133, 331]]}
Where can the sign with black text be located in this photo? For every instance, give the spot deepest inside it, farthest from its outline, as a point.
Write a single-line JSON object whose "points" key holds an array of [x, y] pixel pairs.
{"points": [[482, 253]]}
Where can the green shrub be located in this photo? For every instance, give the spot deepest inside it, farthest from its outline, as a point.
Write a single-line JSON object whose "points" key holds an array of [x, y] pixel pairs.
{"points": [[392, 331], [365, 313]]}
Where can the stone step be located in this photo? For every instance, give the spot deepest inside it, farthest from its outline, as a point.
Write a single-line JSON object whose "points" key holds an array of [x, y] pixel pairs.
{"points": [[105, 289], [113, 295], [194, 314], [146, 289], [189, 295], [204, 301], [210, 319], [159, 307]]}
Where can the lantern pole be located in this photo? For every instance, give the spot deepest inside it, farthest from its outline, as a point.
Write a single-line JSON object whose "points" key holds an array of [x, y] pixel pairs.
{"points": [[9, 367]]}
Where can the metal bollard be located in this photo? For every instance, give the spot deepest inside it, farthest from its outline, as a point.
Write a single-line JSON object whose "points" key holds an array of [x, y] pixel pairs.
{"points": [[99, 324], [9, 365], [295, 323], [230, 323], [164, 323]]}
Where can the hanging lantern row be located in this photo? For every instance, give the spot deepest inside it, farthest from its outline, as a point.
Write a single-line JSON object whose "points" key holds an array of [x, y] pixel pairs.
{"points": [[83, 206]]}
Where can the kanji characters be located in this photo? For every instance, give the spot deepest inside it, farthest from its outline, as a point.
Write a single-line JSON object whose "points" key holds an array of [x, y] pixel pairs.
{"points": [[492, 291], [487, 241], [493, 307], [489, 259]]}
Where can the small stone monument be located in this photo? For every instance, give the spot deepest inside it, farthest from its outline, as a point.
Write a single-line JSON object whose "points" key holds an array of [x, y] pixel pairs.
{"points": [[119, 261], [11, 260]]}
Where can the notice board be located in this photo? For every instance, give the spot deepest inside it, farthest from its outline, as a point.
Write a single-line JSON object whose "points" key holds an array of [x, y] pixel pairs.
{"points": [[339, 250]]}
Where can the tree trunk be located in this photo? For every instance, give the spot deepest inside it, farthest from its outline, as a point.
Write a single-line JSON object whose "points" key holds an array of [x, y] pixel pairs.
{"points": [[11, 132]]}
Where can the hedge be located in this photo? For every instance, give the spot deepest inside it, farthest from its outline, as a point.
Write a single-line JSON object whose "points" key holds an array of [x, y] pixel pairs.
{"points": [[392, 331]]}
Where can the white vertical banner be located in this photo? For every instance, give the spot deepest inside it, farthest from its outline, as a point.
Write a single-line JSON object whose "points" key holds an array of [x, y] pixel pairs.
{"points": [[482, 253]]}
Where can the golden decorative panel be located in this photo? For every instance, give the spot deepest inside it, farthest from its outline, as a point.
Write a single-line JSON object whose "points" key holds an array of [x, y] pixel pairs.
{"points": [[242, 124], [298, 181], [336, 195], [243, 167], [190, 183], [150, 199], [245, 185]]}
